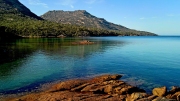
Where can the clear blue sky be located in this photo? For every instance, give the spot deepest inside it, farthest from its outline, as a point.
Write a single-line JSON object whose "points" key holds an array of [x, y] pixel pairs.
{"points": [[158, 16]]}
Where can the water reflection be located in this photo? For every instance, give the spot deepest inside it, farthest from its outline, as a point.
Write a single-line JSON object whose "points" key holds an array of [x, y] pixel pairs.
{"points": [[11, 54], [28, 61], [154, 61]]}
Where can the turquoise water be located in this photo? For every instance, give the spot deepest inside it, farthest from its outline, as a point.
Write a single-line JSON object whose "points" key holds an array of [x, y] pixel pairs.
{"points": [[145, 62]]}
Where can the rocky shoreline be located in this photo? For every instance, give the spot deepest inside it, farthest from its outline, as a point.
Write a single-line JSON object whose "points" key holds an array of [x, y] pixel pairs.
{"points": [[100, 88]]}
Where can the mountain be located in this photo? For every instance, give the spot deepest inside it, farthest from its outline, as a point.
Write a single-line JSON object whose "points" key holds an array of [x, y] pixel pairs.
{"points": [[83, 18], [15, 7], [16, 20]]}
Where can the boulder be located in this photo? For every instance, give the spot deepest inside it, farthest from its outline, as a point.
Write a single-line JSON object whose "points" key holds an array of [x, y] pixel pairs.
{"points": [[125, 90], [160, 91], [136, 96], [108, 89]]}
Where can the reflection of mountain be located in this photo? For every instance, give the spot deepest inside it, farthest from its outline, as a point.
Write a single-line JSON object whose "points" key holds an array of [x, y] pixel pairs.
{"points": [[23, 48], [44, 59], [12, 51], [11, 54], [80, 51]]}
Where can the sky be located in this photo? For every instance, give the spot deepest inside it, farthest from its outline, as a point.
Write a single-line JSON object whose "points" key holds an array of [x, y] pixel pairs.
{"points": [[158, 16]]}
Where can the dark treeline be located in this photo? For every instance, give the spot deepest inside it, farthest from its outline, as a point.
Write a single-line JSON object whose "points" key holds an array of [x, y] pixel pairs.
{"points": [[15, 25]]}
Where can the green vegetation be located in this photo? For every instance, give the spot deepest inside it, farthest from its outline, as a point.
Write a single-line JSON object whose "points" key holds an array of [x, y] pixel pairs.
{"points": [[29, 27], [83, 18], [17, 20]]}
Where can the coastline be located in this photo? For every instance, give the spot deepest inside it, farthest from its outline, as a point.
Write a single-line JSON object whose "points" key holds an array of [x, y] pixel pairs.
{"points": [[104, 87]]}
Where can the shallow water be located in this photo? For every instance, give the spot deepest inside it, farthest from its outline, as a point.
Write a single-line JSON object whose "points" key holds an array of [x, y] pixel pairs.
{"points": [[145, 62]]}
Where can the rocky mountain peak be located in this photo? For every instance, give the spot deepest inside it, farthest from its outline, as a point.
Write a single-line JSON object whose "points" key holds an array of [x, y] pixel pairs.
{"points": [[15, 7], [82, 18]]}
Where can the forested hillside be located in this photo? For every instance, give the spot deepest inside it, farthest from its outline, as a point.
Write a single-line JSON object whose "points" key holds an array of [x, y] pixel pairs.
{"points": [[84, 18], [28, 27], [18, 21]]}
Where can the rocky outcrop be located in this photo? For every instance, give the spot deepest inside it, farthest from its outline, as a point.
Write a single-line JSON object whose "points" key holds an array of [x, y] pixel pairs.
{"points": [[101, 88], [159, 91], [84, 42]]}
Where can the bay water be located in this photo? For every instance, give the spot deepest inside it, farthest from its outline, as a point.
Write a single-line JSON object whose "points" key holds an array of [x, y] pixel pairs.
{"points": [[145, 62]]}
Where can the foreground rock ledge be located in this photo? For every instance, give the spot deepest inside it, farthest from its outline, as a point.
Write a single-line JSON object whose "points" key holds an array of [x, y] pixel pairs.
{"points": [[101, 88]]}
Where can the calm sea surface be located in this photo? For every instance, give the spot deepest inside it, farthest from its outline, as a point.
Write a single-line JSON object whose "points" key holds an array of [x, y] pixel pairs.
{"points": [[145, 62]]}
